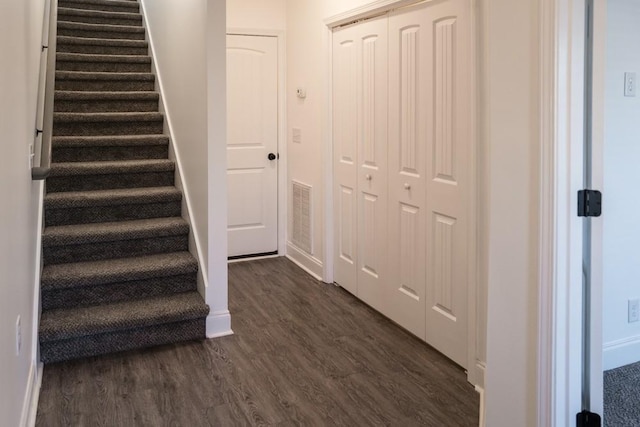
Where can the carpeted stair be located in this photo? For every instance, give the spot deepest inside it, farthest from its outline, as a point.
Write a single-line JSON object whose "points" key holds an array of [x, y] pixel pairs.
{"points": [[117, 272]]}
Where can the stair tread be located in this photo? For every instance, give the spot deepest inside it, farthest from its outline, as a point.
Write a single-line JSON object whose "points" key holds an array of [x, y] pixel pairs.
{"points": [[113, 231], [79, 199], [89, 27], [114, 166], [78, 322], [107, 117], [66, 11], [130, 4], [74, 95], [109, 141], [70, 40], [63, 276], [98, 75], [90, 57]]}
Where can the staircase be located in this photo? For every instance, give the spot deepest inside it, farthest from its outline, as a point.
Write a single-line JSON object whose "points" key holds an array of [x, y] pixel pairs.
{"points": [[117, 271]]}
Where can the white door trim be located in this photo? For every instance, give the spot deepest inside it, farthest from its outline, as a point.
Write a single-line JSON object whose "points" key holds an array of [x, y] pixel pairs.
{"points": [[561, 176], [282, 126], [597, 181], [475, 368]]}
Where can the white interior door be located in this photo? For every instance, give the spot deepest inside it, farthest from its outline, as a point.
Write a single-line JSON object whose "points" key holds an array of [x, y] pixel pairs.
{"points": [[345, 136], [429, 158], [252, 144], [372, 161], [402, 144], [408, 129], [448, 114], [360, 134]]}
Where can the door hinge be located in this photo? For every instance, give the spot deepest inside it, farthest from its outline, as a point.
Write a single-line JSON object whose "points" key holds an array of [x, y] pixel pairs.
{"points": [[588, 419], [589, 203]]}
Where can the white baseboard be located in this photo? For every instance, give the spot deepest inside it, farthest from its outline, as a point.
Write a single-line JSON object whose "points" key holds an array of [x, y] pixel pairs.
{"points": [[219, 324], [480, 391], [621, 352], [308, 263], [30, 405], [481, 369]]}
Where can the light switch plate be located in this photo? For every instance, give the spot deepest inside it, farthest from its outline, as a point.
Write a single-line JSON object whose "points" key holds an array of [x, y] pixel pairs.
{"points": [[297, 136]]}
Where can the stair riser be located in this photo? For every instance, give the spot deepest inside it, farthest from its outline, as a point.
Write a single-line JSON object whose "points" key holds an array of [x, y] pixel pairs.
{"points": [[107, 182], [105, 106], [117, 249], [111, 213], [117, 292], [100, 85], [120, 35], [91, 154], [134, 8], [61, 128], [101, 67], [100, 20], [102, 50], [57, 351]]}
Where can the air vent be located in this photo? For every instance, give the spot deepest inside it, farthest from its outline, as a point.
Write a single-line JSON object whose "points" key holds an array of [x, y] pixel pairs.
{"points": [[301, 236]]}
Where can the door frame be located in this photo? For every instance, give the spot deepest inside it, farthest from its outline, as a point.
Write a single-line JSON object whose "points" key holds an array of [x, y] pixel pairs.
{"points": [[476, 294], [562, 55], [282, 127]]}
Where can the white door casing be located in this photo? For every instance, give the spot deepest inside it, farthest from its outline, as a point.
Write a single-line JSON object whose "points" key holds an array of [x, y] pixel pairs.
{"points": [[252, 108], [360, 115]]}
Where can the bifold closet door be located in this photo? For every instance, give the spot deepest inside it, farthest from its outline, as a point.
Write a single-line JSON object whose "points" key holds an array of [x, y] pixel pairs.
{"points": [[429, 155], [360, 110]]}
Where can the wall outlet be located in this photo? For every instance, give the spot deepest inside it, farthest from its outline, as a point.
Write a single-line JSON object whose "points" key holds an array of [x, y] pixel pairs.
{"points": [[18, 336], [634, 310], [629, 84]]}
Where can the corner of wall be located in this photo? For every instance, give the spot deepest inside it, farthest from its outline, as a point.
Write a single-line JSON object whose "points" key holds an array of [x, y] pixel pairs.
{"points": [[307, 262], [32, 395], [219, 321]]}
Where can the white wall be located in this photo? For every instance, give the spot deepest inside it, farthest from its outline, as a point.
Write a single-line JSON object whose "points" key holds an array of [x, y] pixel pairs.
{"points": [[510, 121], [307, 67], [621, 232], [20, 41], [177, 31], [257, 14], [181, 33]]}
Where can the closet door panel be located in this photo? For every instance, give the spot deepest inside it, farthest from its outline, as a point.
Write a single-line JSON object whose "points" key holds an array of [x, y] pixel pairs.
{"points": [[372, 160], [345, 135], [408, 124], [447, 179]]}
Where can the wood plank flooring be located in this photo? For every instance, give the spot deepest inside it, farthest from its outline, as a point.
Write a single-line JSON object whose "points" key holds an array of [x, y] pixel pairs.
{"points": [[303, 353]]}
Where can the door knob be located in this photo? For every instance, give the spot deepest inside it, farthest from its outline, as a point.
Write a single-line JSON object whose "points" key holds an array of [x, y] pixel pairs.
{"points": [[368, 177], [271, 156], [407, 186]]}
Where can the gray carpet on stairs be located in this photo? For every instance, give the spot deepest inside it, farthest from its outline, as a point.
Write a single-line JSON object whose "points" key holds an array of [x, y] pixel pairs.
{"points": [[117, 272], [622, 396]]}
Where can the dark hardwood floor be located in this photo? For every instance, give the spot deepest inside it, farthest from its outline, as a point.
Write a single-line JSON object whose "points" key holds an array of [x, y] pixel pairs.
{"points": [[303, 353]]}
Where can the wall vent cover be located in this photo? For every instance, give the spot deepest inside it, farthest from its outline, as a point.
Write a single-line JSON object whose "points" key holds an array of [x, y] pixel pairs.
{"points": [[302, 217]]}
